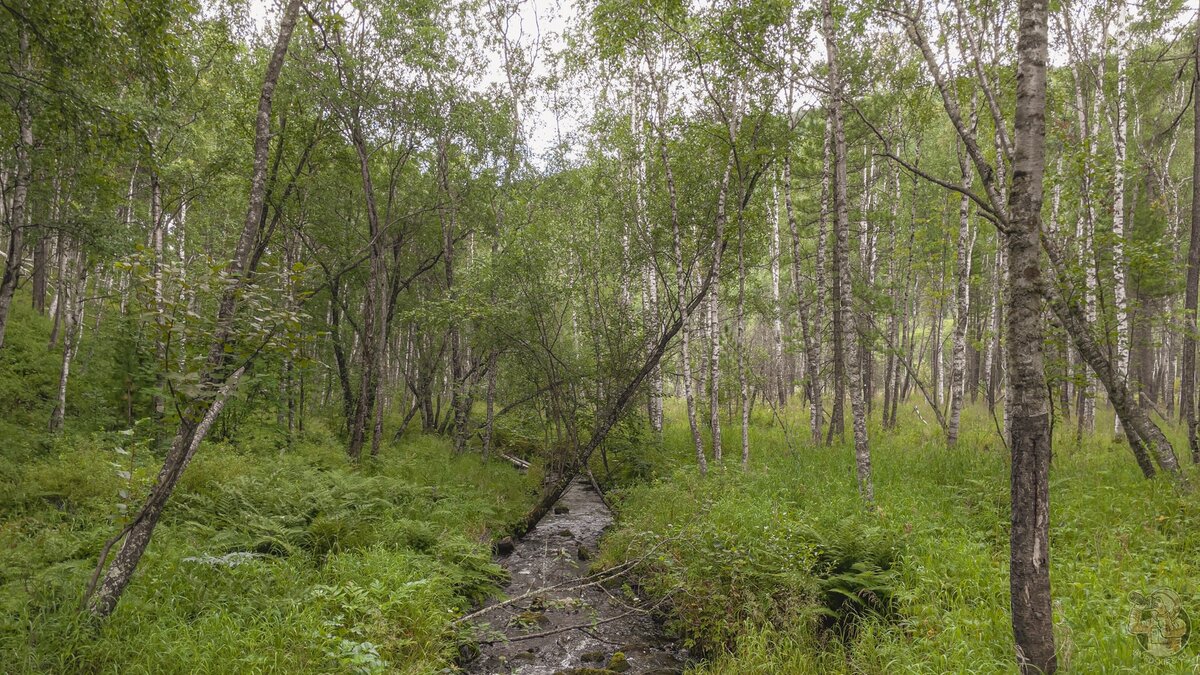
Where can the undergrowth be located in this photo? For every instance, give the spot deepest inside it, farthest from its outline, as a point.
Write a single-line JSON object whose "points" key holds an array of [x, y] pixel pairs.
{"points": [[271, 556], [781, 569], [262, 562]]}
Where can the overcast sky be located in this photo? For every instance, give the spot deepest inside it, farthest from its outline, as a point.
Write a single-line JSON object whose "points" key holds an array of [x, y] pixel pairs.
{"points": [[540, 18]]}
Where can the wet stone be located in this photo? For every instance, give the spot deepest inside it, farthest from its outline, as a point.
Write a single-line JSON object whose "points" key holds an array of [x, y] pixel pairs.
{"points": [[559, 626], [524, 657], [505, 546], [529, 620], [467, 653]]}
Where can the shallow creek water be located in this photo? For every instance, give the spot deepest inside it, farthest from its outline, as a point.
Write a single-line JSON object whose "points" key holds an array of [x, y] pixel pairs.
{"points": [[606, 628]]}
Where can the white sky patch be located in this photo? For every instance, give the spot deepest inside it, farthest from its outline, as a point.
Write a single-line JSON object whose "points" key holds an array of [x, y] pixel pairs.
{"points": [[538, 28], [554, 114]]}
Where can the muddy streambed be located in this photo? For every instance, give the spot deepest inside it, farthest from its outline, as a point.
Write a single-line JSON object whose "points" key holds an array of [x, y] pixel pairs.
{"points": [[556, 621]]}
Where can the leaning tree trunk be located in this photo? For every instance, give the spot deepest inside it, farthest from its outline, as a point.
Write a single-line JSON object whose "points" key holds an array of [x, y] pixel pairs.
{"points": [[1029, 556], [613, 411], [200, 413], [1143, 433], [841, 261]]}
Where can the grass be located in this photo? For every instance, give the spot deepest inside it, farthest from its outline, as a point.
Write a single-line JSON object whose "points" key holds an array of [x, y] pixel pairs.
{"points": [[269, 557], [780, 568], [262, 562], [278, 558]]}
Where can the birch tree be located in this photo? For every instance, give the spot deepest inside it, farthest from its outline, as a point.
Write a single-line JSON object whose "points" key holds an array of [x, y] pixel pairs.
{"points": [[217, 378], [1029, 541], [841, 264]]}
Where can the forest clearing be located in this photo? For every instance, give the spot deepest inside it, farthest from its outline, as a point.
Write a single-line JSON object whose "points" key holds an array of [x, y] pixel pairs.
{"points": [[580, 337]]}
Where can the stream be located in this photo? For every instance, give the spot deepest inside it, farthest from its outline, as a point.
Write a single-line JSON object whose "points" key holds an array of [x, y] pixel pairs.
{"points": [[572, 627]]}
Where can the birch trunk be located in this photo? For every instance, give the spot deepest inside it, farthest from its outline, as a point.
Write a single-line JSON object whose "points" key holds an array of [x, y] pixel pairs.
{"points": [[820, 295], [809, 329], [1028, 398], [41, 261], [867, 254], [156, 271], [1187, 384], [459, 399], [1087, 226], [681, 286], [373, 298], [714, 322], [24, 174], [962, 300], [73, 325], [1119, 128], [776, 314], [200, 414], [837, 421], [743, 382], [841, 260]]}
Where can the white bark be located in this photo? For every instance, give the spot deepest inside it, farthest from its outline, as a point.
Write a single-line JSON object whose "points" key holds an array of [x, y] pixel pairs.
{"points": [[1119, 127], [714, 319], [743, 381], [73, 290], [962, 304], [681, 284], [776, 313], [862, 451]]}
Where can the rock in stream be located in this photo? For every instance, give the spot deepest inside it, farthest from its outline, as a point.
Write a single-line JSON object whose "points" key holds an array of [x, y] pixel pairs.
{"points": [[616, 633]]}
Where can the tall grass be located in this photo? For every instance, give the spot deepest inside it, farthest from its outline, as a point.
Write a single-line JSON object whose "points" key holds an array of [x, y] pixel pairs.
{"points": [[262, 562], [746, 556]]}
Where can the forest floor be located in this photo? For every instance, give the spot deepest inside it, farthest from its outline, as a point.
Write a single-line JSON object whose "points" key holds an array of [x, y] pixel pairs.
{"points": [[561, 617], [275, 554], [778, 568]]}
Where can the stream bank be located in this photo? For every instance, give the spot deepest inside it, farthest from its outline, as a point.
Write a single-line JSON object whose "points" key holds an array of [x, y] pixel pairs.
{"points": [[561, 620]]}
